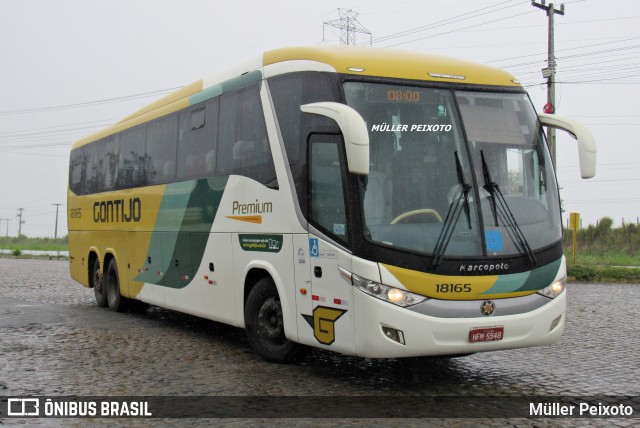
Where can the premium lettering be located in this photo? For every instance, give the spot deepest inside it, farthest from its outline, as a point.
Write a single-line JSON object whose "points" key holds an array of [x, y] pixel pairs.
{"points": [[117, 211], [256, 207]]}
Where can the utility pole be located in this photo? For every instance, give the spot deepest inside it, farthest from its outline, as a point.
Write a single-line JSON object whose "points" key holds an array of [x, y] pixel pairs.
{"points": [[20, 221], [348, 25], [7, 220], [1, 220], [55, 234], [550, 72]]}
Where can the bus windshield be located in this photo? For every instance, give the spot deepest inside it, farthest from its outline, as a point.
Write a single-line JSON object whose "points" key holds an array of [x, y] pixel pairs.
{"points": [[456, 173]]}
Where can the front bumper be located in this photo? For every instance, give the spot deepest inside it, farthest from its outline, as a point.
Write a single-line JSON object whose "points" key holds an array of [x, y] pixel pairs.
{"points": [[426, 335]]}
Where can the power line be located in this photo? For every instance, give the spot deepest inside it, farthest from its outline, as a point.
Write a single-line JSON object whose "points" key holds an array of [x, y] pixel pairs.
{"points": [[446, 21], [458, 29], [565, 49], [89, 103], [55, 128]]}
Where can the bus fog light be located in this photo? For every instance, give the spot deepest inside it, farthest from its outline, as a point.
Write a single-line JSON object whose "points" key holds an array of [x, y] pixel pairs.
{"points": [[554, 289], [389, 294], [555, 323], [393, 334]]}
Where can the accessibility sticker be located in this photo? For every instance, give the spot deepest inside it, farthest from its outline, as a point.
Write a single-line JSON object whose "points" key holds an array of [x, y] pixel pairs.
{"points": [[494, 240]]}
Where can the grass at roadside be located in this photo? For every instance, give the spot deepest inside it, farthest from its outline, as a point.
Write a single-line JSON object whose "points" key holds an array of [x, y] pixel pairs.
{"points": [[41, 244], [608, 266]]}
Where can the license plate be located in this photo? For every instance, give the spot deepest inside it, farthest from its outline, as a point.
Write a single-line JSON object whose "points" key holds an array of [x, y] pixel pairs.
{"points": [[486, 334]]}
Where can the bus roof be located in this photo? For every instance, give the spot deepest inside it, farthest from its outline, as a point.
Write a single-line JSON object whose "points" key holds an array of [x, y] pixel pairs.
{"points": [[395, 63], [362, 61]]}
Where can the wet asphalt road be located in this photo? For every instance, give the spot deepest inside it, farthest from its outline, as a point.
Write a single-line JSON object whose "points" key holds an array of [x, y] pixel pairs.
{"points": [[55, 341]]}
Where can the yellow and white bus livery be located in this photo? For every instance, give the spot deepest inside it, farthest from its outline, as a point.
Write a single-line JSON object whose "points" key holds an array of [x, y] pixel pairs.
{"points": [[372, 202]]}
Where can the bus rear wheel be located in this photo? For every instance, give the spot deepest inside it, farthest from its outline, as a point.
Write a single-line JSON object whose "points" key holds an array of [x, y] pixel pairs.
{"points": [[265, 325], [97, 283], [112, 287]]}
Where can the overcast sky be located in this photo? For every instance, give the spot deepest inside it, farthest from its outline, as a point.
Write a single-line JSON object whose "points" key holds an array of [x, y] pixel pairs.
{"points": [[69, 68]]}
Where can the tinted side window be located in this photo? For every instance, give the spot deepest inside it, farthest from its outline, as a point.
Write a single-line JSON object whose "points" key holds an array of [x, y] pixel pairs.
{"points": [[107, 156], [243, 146], [162, 139], [288, 93], [76, 171], [90, 163], [132, 159], [197, 141]]}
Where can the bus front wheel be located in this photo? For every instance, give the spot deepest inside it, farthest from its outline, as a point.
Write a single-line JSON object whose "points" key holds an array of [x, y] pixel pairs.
{"points": [[112, 287], [98, 284], [265, 325]]}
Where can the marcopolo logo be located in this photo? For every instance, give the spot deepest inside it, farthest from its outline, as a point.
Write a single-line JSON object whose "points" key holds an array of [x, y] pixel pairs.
{"points": [[385, 127], [483, 267]]}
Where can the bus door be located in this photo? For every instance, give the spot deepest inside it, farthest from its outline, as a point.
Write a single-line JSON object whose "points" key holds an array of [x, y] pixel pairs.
{"points": [[331, 295]]}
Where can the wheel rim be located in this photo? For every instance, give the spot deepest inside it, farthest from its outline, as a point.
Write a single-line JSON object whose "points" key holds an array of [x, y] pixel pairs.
{"points": [[97, 284], [270, 325], [112, 287]]}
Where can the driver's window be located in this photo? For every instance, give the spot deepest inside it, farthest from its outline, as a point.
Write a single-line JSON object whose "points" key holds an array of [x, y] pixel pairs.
{"points": [[328, 209]]}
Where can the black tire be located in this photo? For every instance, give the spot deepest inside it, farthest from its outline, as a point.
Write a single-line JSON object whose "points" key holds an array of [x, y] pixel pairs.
{"points": [[112, 287], [97, 283], [265, 326]]}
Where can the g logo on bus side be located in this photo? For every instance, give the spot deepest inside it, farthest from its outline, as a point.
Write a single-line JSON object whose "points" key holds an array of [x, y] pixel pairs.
{"points": [[323, 323]]}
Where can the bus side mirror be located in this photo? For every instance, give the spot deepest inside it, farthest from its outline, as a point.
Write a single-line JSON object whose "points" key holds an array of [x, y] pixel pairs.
{"points": [[586, 143], [354, 131]]}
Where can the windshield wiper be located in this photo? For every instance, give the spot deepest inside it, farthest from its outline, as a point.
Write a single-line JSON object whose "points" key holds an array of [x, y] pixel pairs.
{"points": [[450, 221], [501, 210]]}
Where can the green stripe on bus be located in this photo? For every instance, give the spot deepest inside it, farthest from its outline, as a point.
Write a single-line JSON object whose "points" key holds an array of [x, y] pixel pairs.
{"points": [[526, 281], [194, 205]]}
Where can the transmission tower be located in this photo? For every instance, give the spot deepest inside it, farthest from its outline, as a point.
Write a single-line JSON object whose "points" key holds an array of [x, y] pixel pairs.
{"points": [[349, 27]]}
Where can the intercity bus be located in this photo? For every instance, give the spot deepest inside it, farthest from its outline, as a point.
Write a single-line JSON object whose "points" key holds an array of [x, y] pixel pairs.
{"points": [[373, 202]]}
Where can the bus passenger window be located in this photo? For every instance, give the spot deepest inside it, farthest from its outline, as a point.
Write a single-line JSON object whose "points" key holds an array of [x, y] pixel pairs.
{"points": [[197, 141], [243, 144], [108, 150], [90, 164], [131, 164], [77, 171], [162, 136]]}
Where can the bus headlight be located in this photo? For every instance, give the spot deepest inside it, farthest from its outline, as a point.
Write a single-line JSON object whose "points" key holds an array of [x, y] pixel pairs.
{"points": [[393, 295], [555, 288]]}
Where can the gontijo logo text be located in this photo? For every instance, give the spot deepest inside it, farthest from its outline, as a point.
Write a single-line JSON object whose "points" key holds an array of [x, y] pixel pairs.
{"points": [[117, 211]]}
